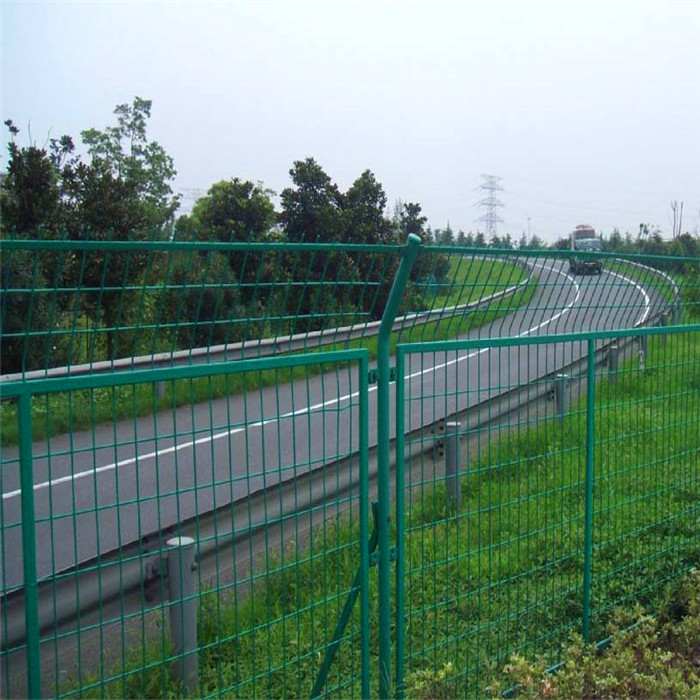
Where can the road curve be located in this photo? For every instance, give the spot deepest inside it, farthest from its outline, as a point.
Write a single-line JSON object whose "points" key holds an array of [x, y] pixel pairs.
{"points": [[96, 491]]}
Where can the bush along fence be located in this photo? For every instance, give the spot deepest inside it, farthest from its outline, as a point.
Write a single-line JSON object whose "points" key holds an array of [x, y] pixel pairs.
{"points": [[290, 470]]}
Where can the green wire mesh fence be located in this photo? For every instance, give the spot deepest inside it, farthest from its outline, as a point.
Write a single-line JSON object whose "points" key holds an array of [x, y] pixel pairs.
{"points": [[270, 484], [226, 392], [531, 504]]}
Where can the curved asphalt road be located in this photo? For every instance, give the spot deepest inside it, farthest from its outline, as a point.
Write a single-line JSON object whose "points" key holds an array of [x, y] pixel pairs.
{"points": [[97, 491]]}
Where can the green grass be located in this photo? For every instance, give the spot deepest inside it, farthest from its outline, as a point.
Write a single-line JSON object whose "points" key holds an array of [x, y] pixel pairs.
{"points": [[61, 413], [502, 576]]}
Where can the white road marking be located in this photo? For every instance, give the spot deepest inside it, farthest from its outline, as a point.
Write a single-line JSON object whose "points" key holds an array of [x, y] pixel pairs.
{"points": [[293, 414], [647, 300]]}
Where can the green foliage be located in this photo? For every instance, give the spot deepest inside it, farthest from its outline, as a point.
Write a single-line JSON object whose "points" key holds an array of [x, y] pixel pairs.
{"points": [[122, 193], [650, 655], [312, 209], [429, 684], [232, 210], [125, 163], [410, 220], [30, 192], [363, 208]]}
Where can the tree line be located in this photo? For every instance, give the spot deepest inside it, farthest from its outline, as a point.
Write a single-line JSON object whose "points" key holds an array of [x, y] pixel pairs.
{"points": [[122, 190]]}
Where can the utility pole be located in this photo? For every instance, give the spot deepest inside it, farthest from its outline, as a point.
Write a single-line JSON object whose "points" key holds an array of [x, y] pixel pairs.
{"points": [[490, 185]]}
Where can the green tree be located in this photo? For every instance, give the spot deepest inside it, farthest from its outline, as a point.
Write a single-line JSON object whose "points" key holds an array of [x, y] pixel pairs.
{"points": [[312, 208], [233, 210], [364, 205], [123, 154], [412, 221], [31, 202], [447, 236], [121, 192]]}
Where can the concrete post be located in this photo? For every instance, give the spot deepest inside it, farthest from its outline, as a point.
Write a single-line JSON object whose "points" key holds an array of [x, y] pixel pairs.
{"points": [[643, 356], [561, 396], [662, 324], [452, 465], [613, 361], [677, 311], [183, 611]]}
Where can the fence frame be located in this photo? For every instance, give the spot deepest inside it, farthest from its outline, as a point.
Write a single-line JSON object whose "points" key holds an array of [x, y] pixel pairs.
{"points": [[24, 390], [590, 338], [22, 387]]}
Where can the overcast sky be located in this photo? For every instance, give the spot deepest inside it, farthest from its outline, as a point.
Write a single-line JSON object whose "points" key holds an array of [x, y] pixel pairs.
{"points": [[590, 112]]}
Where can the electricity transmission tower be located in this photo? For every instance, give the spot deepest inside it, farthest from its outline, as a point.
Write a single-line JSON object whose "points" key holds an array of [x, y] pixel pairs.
{"points": [[490, 185]]}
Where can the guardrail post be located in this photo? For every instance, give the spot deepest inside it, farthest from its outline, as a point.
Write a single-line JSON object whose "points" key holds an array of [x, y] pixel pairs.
{"points": [[452, 465], [183, 611], [31, 587], [643, 350], [613, 361], [561, 396], [662, 324], [383, 482], [675, 314], [160, 389]]}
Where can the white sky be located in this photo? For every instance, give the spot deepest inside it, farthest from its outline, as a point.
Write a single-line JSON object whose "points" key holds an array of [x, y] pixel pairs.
{"points": [[590, 112]]}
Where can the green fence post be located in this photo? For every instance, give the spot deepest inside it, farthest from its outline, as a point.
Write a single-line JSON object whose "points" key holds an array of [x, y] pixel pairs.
{"points": [[383, 486], [400, 525], [588, 521], [364, 524], [31, 595]]}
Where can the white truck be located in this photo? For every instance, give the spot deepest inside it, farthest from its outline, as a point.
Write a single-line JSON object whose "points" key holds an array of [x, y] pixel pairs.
{"points": [[584, 239]]}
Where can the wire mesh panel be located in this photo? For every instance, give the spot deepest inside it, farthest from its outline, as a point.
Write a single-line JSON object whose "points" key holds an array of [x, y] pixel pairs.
{"points": [[524, 519], [84, 306], [647, 476], [271, 484], [146, 396]]}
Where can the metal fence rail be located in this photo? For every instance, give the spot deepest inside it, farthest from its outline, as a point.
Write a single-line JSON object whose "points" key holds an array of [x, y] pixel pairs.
{"points": [[72, 307], [146, 396]]}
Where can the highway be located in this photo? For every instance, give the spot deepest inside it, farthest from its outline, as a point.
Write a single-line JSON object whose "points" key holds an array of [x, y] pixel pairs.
{"points": [[96, 491]]}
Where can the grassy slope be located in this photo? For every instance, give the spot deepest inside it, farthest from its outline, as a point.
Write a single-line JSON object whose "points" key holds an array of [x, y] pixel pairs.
{"points": [[502, 576]]}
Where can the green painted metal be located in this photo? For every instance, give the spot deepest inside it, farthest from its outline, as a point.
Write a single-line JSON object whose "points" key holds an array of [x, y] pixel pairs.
{"points": [[168, 374], [285, 600], [589, 486], [31, 599], [400, 588], [355, 591], [553, 512], [383, 450]]}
